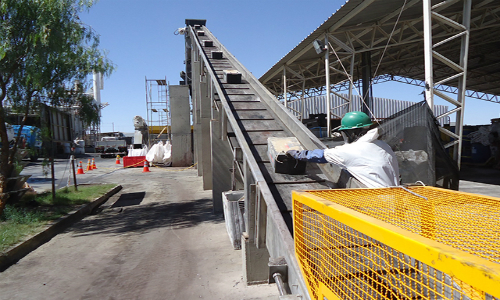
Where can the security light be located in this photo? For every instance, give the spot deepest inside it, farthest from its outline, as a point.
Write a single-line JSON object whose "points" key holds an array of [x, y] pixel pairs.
{"points": [[319, 46]]}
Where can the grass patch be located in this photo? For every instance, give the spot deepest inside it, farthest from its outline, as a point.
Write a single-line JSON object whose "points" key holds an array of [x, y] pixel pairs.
{"points": [[33, 212]]}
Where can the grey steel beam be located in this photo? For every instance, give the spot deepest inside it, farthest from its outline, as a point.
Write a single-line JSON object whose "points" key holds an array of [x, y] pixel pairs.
{"points": [[462, 80]]}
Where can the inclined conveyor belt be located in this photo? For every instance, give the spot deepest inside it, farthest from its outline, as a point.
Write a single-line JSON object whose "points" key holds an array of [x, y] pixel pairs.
{"points": [[258, 122], [232, 123]]}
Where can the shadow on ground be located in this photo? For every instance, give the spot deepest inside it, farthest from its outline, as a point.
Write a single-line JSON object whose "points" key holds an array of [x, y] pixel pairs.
{"points": [[129, 199], [142, 218], [39, 179]]}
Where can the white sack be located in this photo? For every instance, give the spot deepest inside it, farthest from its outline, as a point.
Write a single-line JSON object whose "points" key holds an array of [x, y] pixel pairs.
{"points": [[155, 154], [137, 152], [167, 154]]}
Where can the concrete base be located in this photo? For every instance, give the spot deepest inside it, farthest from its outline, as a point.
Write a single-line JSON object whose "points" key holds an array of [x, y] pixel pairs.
{"points": [[222, 162], [182, 156], [255, 263]]}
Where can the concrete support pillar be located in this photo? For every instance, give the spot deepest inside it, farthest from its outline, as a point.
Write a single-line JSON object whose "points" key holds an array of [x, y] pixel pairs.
{"points": [[182, 155], [255, 260], [222, 158], [205, 137], [196, 96]]}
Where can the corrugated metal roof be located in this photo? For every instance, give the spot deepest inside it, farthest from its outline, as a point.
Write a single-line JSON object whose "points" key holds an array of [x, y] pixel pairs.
{"points": [[364, 24]]}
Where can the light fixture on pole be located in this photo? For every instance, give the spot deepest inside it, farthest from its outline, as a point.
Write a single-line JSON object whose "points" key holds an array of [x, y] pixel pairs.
{"points": [[319, 46]]}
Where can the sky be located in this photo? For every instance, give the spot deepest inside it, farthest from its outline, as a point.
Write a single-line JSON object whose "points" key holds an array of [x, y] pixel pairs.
{"points": [[139, 38]]}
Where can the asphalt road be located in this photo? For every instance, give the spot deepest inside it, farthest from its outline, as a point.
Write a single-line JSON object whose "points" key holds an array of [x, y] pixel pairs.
{"points": [[41, 179], [156, 239]]}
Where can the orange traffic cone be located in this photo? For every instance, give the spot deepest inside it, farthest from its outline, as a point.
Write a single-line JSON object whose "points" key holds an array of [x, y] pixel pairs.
{"points": [[146, 167], [93, 164], [117, 160], [80, 169], [89, 166]]}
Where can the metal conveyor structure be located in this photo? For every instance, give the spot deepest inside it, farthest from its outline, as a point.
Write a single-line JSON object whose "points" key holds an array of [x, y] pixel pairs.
{"points": [[232, 122]]}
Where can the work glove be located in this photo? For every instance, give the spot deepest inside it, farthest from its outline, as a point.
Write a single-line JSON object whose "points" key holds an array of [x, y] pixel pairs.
{"points": [[293, 154]]}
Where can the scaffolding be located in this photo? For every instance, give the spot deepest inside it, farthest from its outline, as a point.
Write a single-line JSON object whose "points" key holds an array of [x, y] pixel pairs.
{"points": [[158, 110]]}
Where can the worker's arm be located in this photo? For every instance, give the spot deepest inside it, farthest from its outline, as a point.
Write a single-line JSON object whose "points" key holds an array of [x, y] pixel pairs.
{"points": [[316, 156]]}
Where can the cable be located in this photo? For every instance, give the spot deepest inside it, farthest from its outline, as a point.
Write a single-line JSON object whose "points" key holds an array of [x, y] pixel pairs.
{"points": [[413, 193], [388, 41], [175, 170], [350, 80], [378, 65]]}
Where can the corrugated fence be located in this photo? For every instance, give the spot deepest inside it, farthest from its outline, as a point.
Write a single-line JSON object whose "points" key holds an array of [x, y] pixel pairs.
{"points": [[381, 107]]}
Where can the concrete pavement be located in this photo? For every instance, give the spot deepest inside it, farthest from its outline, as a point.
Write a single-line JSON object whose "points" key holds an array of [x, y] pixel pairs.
{"points": [[156, 239]]}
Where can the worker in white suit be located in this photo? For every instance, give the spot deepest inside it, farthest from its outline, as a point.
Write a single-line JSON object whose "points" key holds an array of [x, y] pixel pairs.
{"points": [[367, 158]]}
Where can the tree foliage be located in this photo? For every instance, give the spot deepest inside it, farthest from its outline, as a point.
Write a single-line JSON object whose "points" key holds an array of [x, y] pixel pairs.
{"points": [[46, 55]]}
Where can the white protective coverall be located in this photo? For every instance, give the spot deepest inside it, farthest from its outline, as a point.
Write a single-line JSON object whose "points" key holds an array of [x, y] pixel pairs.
{"points": [[368, 159]]}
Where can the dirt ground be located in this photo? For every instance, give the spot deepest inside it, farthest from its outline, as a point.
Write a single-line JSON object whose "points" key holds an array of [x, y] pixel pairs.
{"points": [[156, 239]]}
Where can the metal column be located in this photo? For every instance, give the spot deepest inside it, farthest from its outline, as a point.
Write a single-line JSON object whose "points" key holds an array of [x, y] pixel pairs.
{"points": [[285, 96], [328, 92], [303, 102], [431, 52], [462, 81], [351, 82], [429, 80], [366, 76]]}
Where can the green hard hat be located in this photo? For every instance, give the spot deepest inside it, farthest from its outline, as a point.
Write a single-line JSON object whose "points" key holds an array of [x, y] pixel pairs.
{"points": [[355, 119]]}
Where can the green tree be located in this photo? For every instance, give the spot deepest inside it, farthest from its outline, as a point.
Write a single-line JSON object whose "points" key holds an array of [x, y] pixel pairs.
{"points": [[46, 55]]}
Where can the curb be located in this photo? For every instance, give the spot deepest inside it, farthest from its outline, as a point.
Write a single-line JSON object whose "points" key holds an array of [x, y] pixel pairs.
{"points": [[22, 249]]}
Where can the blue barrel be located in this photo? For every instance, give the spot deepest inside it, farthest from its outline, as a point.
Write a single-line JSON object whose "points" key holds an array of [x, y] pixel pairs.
{"points": [[480, 153]]}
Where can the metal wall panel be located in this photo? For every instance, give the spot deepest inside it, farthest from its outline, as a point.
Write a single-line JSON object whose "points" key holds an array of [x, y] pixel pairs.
{"points": [[381, 107]]}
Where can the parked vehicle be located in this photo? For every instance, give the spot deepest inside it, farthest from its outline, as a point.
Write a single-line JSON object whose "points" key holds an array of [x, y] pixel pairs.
{"points": [[111, 146], [31, 139]]}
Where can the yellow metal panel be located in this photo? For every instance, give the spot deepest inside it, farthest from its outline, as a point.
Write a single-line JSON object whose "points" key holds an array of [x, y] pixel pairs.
{"points": [[396, 243], [325, 292], [158, 129]]}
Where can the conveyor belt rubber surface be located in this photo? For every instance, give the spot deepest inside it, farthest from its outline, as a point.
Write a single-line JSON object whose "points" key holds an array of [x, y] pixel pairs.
{"points": [[258, 122]]}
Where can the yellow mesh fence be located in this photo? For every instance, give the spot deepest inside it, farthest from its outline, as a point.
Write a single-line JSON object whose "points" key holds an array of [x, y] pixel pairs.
{"points": [[398, 243]]}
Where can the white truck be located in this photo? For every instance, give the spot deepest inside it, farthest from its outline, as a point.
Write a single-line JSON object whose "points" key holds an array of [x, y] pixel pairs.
{"points": [[110, 146]]}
